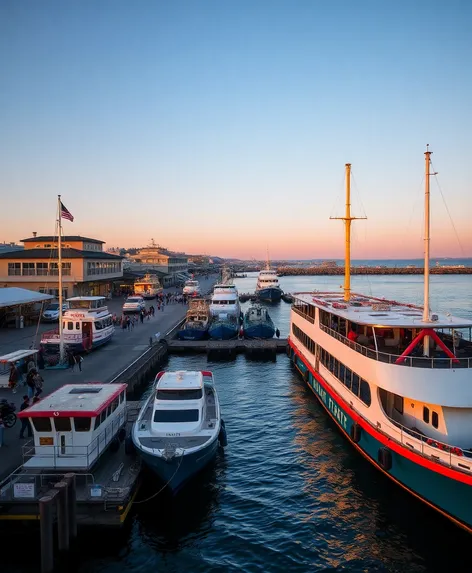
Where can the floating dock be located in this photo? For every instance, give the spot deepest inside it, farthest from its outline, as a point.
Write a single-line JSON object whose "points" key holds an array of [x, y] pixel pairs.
{"points": [[229, 347]]}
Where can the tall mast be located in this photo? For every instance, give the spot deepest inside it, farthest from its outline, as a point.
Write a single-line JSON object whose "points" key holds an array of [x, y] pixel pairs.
{"points": [[347, 221], [427, 241], [59, 263]]}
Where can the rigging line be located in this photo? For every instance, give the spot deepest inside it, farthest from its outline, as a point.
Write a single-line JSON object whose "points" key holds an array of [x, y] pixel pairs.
{"points": [[338, 197], [447, 209], [357, 194]]}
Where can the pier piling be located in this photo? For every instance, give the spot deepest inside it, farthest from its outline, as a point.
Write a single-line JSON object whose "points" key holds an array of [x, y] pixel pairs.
{"points": [[72, 504], [46, 519], [62, 508]]}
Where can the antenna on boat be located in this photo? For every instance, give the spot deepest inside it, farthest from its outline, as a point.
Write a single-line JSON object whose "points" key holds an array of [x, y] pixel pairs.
{"points": [[59, 264], [347, 220]]}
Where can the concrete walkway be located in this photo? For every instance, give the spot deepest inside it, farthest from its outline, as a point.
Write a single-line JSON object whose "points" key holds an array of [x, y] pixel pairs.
{"points": [[101, 365]]}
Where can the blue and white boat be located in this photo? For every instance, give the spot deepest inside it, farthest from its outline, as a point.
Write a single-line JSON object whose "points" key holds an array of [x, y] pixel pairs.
{"points": [[395, 378], [267, 287], [197, 321], [179, 427], [257, 322], [86, 324], [225, 310]]}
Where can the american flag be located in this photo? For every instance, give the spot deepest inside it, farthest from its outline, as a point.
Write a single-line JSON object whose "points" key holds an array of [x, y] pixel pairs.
{"points": [[65, 214]]}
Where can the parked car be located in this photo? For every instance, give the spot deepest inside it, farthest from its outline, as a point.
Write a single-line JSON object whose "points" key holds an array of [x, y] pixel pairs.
{"points": [[51, 314], [134, 304]]}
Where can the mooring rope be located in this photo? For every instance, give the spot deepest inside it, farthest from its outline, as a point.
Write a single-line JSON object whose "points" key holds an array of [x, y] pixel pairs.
{"points": [[163, 487]]}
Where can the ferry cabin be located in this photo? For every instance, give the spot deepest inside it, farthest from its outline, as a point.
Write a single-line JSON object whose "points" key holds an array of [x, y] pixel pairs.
{"points": [[267, 279], [398, 386], [74, 425], [85, 325], [225, 300]]}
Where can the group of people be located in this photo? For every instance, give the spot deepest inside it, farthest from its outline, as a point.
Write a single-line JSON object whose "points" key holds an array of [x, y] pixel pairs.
{"points": [[33, 380]]}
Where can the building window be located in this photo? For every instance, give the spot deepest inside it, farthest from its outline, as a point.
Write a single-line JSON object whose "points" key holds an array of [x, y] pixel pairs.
{"points": [[66, 269], [425, 414], [435, 419], [42, 269], [29, 269], [14, 269]]}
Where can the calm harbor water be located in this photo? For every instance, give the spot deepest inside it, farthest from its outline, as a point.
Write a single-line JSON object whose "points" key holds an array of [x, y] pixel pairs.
{"points": [[289, 493]]}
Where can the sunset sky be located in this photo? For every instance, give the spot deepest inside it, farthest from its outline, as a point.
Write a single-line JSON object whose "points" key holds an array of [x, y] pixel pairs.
{"points": [[223, 127]]}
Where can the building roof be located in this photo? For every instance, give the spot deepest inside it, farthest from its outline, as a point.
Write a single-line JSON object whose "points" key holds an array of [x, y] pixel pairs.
{"points": [[14, 296], [52, 254], [75, 400], [65, 238]]}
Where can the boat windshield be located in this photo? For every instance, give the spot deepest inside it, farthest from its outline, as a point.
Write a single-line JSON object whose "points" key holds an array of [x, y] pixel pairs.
{"points": [[191, 394], [176, 416]]}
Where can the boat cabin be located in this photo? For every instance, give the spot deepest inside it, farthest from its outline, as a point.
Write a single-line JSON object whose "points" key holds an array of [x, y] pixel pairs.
{"points": [[86, 324], [74, 425]]}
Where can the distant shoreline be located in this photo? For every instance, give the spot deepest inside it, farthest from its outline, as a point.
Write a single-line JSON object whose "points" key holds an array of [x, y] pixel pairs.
{"points": [[334, 271]]}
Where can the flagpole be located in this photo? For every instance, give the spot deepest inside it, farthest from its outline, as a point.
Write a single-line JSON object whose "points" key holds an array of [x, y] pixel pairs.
{"points": [[59, 262]]}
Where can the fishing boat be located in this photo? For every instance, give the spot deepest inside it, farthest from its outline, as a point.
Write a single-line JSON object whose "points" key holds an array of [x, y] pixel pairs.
{"points": [[148, 287], [395, 378], [257, 322], [197, 320], [84, 326], [267, 287], [179, 427], [79, 428], [192, 288], [224, 326]]}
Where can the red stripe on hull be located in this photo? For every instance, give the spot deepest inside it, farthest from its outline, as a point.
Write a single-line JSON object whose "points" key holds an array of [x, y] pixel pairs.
{"points": [[394, 446]]}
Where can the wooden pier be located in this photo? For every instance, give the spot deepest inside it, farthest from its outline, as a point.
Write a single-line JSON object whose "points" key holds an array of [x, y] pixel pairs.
{"points": [[229, 347]]}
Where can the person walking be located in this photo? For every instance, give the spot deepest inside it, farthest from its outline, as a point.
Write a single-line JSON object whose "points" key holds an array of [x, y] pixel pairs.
{"points": [[79, 360], [30, 382], [25, 423], [13, 377], [38, 384]]}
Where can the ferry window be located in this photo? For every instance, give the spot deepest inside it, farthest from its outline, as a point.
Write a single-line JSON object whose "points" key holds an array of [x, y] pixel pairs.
{"points": [[434, 419], [77, 326], [114, 405], [342, 373], [122, 397], [62, 424], [82, 424], [425, 414], [97, 422], [398, 403], [355, 384], [364, 393], [194, 394], [42, 424], [176, 416], [108, 411], [70, 326], [98, 324], [103, 416]]}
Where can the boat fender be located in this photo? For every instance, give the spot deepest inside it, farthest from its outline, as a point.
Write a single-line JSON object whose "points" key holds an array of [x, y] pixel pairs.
{"points": [[222, 438], [306, 375], [115, 445], [384, 458], [356, 432], [129, 446], [121, 434]]}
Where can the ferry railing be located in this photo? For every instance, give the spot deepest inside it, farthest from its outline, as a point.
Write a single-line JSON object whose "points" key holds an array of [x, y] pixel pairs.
{"points": [[414, 361], [303, 314]]}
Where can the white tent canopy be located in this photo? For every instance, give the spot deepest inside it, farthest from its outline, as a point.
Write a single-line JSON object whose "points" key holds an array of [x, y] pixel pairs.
{"points": [[14, 296]]}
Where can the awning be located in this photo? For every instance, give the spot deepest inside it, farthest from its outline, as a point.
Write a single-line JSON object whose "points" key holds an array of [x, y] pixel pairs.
{"points": [[17, 355], [14, 296]]}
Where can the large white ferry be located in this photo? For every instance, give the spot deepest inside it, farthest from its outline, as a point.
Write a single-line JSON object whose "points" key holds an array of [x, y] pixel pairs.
{"points": [[395, 378], [267, 287], [86, 324]]}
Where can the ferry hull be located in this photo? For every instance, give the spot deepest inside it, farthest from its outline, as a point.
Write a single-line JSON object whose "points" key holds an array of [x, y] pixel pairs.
{"points": [[271, 294], [193, 333], [223, 331], [179, 470], [259, 331], [451, 497]]}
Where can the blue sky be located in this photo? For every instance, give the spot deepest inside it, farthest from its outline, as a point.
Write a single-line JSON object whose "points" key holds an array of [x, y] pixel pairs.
{"points": [[224, 127]]}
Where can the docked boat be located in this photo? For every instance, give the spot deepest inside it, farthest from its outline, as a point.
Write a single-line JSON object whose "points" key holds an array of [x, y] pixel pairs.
{"points": [[395, 378], [267, 287], [79, 428], [225, 300], [86, 324], [179, 427], [197, 320], [148, 287], [192, 288], [257, 322], [224, 326]]}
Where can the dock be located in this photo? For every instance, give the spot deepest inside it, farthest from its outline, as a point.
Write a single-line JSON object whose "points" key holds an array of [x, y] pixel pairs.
{"points": [[229, 347]]}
